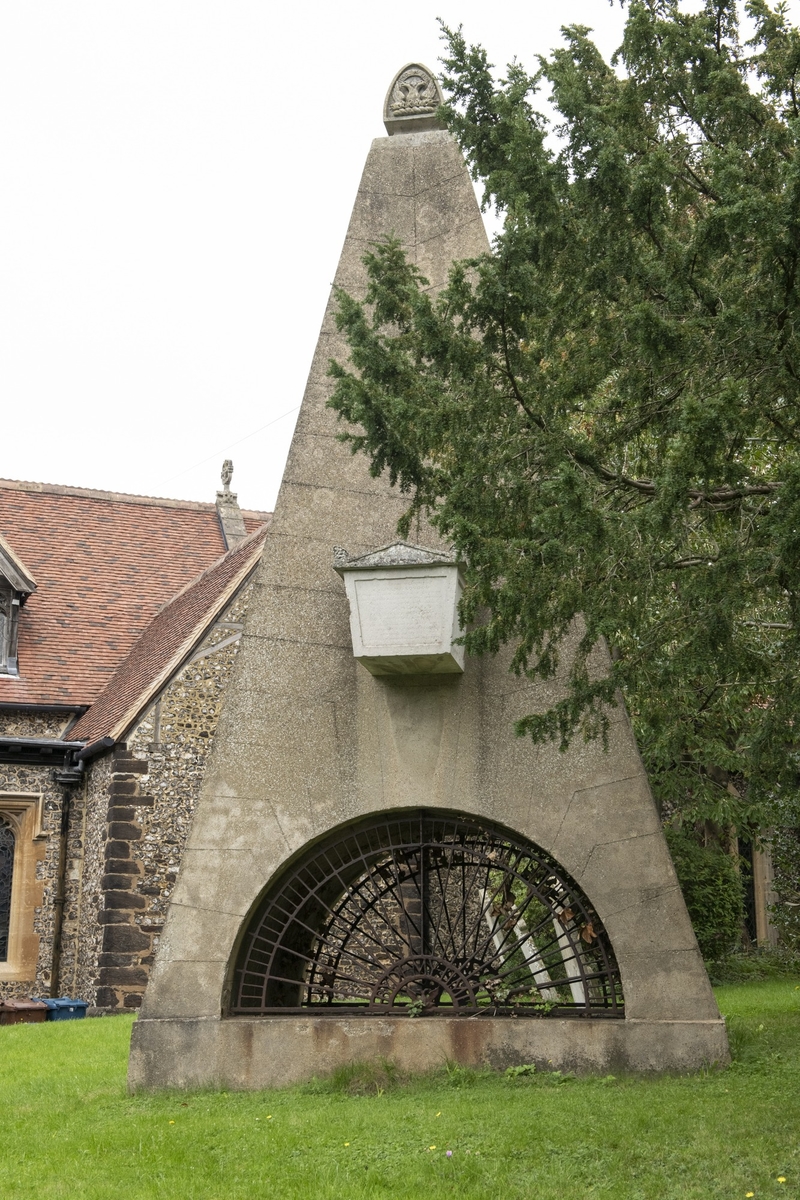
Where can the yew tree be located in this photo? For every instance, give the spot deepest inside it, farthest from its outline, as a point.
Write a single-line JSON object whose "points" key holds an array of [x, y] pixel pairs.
{"points": [[602, 414]]}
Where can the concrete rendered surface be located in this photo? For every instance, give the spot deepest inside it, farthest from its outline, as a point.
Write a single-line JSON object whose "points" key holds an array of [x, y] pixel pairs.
{"points": [[259, 1052], [309, 740]]}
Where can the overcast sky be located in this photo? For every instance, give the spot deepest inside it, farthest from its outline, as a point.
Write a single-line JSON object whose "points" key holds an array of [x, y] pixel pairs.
{"points": [[177, 178]]}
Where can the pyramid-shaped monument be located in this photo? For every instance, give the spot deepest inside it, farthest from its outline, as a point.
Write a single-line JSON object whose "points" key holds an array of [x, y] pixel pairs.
{"points": [[373, 843]]}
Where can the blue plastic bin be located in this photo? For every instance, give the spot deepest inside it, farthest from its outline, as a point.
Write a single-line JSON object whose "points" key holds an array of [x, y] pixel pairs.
{"points": [[64, 1009]]}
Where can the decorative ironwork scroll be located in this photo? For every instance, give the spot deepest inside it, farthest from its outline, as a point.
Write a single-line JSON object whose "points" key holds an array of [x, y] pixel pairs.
{"points": [[7, 841], [426, 913]]}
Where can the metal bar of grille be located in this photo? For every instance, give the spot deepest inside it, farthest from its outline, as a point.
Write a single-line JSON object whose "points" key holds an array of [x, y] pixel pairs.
{"points": [[426, 913]]}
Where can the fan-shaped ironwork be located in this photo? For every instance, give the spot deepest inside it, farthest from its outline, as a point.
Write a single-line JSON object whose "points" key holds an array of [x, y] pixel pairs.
{"points": [[426, 913], [6, 881]]}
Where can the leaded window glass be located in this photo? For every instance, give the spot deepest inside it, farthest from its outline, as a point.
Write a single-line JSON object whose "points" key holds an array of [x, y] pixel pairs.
{"points": [[9, 628], [6, 876]]}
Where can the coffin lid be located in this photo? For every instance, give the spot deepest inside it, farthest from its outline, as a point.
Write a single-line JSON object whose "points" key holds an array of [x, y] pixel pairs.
{"points": [[398, 554]]}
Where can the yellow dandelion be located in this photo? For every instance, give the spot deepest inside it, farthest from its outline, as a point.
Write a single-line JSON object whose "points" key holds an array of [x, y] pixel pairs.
{"points": [[269, 1118], [431, 1147], [748, 1194], [172, 1122], [347, 1143], [781, 1179]]}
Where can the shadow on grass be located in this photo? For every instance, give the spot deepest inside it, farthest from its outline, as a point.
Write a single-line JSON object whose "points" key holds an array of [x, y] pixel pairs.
{"points": [[377, 1077]]}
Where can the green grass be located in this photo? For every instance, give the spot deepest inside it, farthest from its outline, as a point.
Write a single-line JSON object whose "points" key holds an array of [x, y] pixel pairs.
{"points": [[68, 1129]]}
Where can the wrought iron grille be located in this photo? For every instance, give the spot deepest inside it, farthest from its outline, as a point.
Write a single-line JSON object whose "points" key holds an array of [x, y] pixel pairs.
{"points": [[6, 878], [426, 913]]}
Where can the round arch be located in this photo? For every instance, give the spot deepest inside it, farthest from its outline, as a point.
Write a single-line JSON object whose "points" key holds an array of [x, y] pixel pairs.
{"points": [[425, 912]]}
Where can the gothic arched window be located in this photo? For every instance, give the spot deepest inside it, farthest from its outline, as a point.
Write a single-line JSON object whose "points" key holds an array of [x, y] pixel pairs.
{"points": [[7, 841]]}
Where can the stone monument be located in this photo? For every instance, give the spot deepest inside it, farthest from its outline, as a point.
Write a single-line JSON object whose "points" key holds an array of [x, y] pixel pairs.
{"points": [[377, 865]]}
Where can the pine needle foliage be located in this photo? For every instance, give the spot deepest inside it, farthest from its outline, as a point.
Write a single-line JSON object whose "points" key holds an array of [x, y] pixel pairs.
{"points": [[711, 883], [603, 414]]}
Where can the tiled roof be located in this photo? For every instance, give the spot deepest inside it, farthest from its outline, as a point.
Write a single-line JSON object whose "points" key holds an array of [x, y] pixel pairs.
{"points": [[166, 643], [104, 565]]}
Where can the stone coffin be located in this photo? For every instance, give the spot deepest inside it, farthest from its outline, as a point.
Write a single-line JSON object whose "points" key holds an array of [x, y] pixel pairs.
{"points": [[404, 610]]}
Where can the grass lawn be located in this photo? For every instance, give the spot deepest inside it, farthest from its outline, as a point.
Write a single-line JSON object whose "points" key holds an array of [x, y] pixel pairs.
{"points": [[70, 1131]]}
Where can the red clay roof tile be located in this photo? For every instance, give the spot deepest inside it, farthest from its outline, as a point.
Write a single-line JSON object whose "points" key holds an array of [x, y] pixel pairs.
{"points": [[104, 565], [164, 645]]}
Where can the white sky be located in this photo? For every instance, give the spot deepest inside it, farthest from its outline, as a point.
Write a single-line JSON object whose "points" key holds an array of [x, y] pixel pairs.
{"points": [[177, 178]]}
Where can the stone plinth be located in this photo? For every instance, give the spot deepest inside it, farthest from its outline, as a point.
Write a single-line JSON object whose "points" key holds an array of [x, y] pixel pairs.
{"points": [[247, 1053]]}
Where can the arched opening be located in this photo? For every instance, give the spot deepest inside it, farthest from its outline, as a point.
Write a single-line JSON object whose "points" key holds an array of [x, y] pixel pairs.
{"points": [[7, 845], [425, 913]]}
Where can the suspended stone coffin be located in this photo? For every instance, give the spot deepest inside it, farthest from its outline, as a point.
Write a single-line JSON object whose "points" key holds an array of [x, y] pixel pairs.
{"points": [[404, 610]]}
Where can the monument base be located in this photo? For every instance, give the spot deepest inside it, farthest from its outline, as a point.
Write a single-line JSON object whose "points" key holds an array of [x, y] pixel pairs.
{"points": [[248, 1053]]}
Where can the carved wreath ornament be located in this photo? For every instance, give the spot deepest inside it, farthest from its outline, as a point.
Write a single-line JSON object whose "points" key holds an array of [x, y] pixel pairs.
{"points": [[414, 94]]}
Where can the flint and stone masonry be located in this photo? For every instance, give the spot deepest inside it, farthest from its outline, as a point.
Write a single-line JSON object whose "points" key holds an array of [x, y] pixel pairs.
{"points": [[126, 820], [308, 740]]}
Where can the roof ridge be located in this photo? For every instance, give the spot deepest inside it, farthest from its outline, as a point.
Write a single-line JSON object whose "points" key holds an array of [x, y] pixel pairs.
{"points": [[63, 489]]}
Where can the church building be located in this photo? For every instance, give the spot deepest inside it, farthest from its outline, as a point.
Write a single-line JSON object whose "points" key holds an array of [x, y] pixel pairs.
{"points": [[120, 619]]}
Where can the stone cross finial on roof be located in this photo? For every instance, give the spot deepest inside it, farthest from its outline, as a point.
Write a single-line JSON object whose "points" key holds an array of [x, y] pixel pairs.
{"points": [[228, 511], [412, 101]]}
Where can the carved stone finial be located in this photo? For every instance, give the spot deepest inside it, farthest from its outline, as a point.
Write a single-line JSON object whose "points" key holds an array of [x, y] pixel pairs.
{"points": [[340, 556], [412, 101], [228, 511]]}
